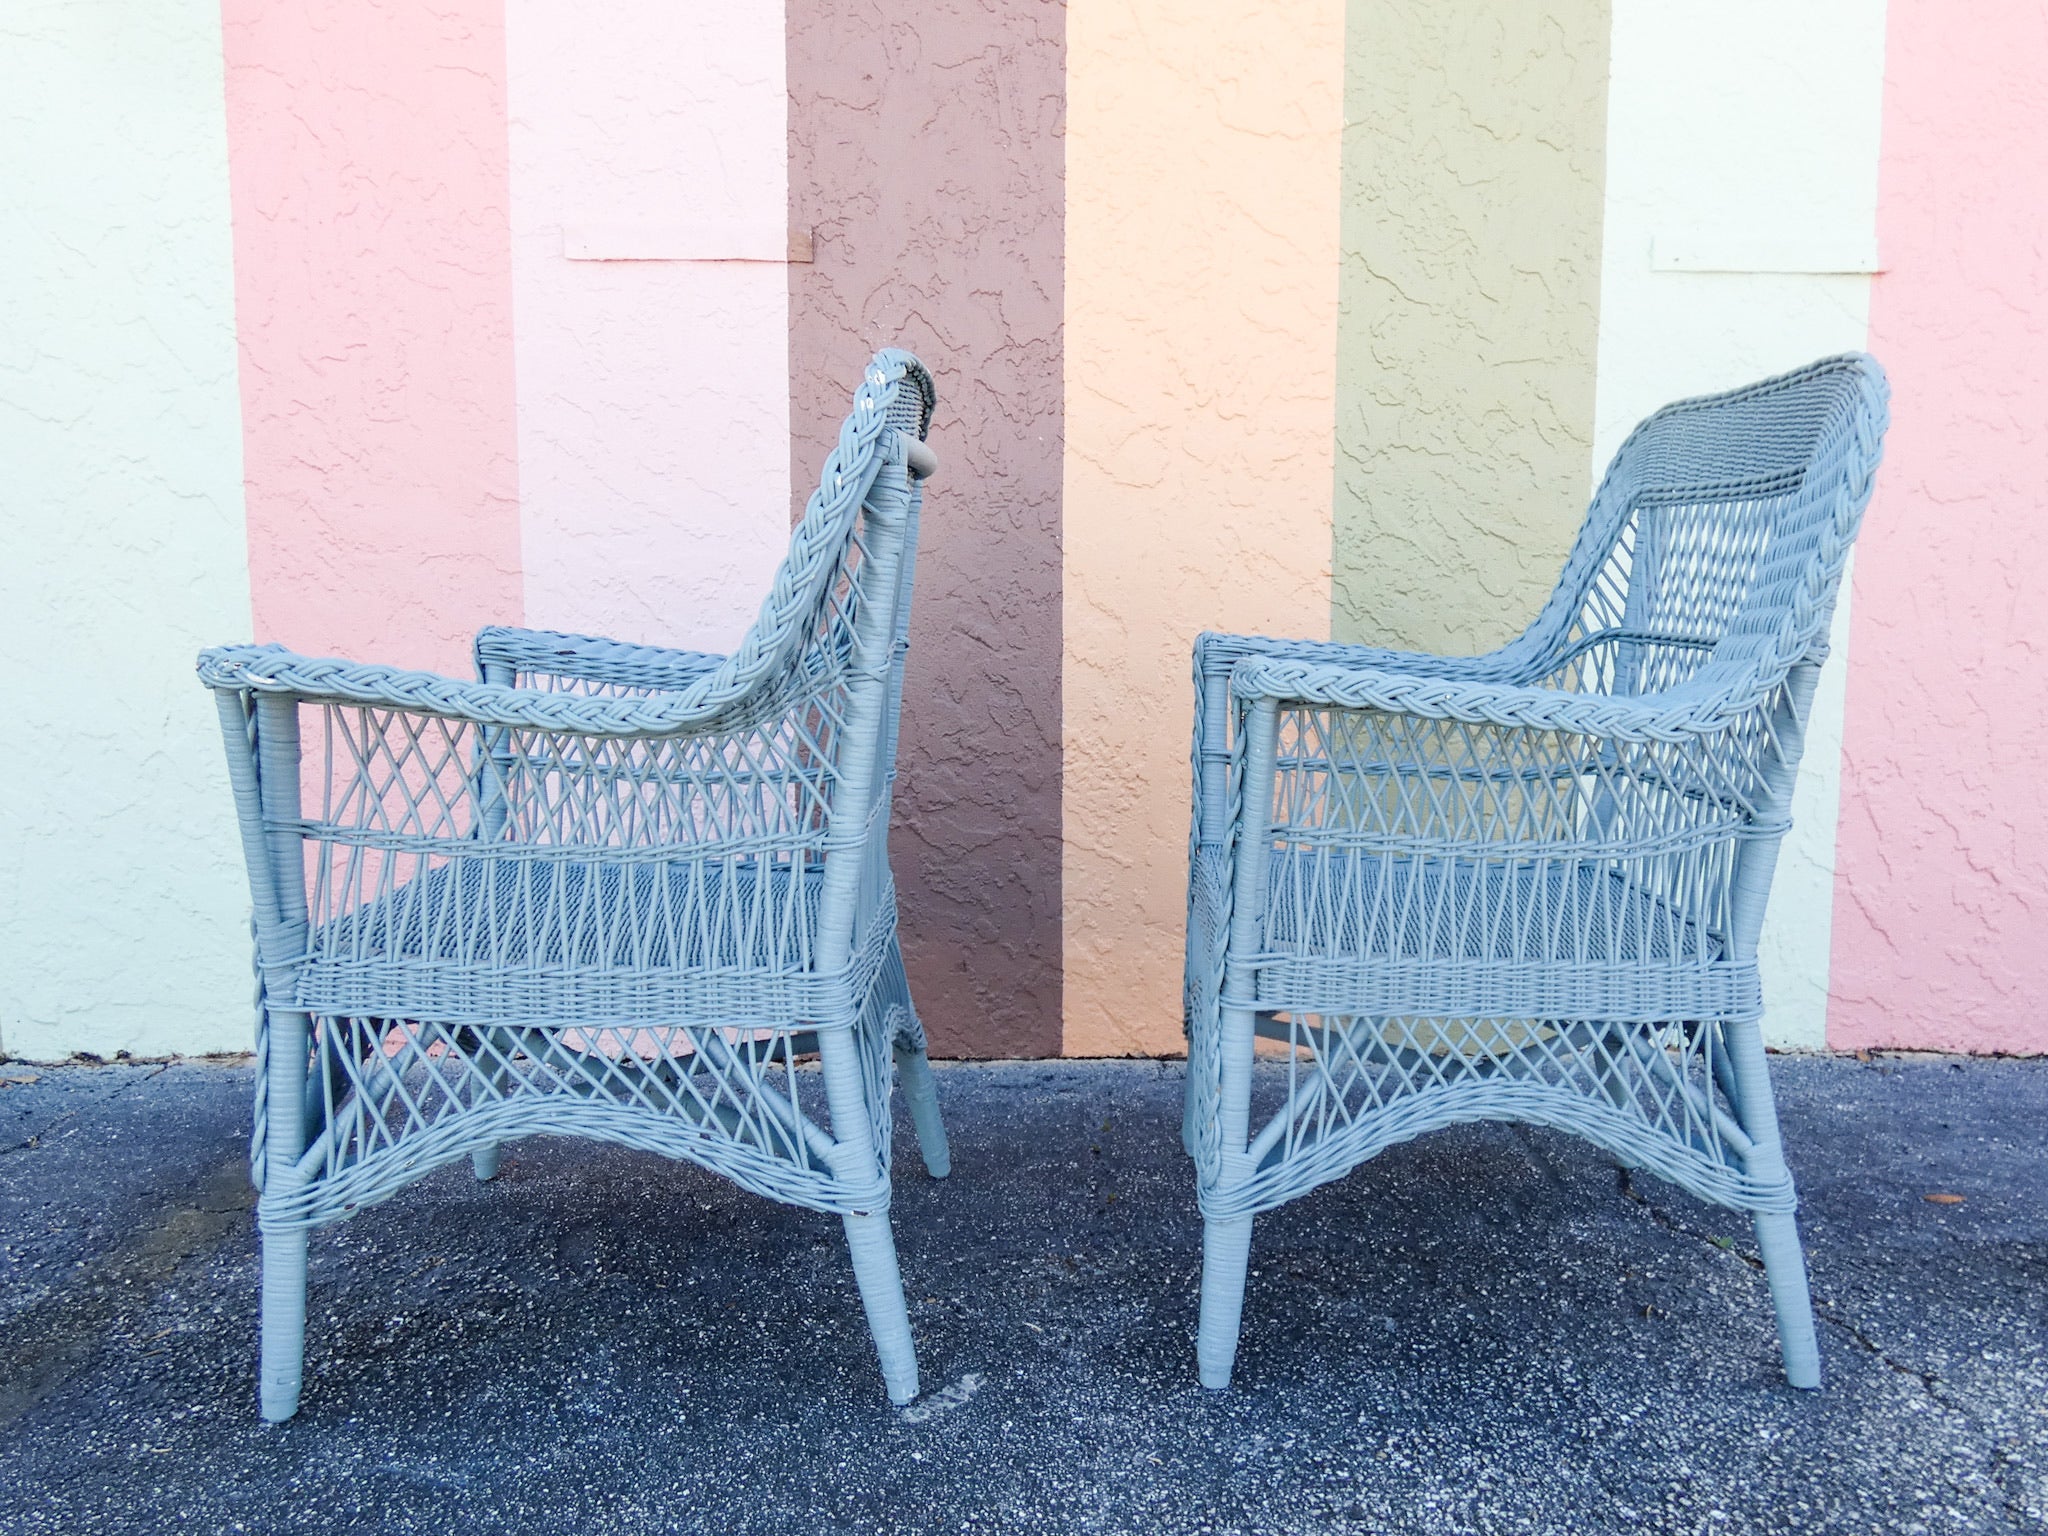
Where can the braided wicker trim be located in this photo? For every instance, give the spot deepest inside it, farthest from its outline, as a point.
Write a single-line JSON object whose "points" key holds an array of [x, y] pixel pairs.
{"points": [[484, 993], [591, 658], [1503, 989]]}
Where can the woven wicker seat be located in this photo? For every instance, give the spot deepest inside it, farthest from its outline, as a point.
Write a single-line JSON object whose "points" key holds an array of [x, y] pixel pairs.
{"points": [[1528, 885], [609, 891]]}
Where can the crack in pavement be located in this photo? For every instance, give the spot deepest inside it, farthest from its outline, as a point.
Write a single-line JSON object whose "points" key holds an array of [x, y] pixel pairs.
{"points": [[34, 1140], [50, 1341], [1997, 1460]]}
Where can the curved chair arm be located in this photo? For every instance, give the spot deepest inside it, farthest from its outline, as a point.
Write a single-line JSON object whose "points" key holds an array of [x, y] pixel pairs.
{"points": [[273, 669], [1216, 654], [1676, 715], [590, 659]]}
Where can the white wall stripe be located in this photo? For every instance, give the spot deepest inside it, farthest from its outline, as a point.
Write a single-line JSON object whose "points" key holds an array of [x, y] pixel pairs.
{"points": [[123, 907], [653, 393], [1746, 126]]}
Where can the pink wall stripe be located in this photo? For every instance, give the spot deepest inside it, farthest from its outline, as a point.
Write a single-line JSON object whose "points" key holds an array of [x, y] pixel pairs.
{"points": [[1941, 904], [373, 290]]}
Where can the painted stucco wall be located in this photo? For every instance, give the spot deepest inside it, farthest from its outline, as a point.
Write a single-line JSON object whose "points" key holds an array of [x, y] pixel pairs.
{"points": [[1942, 900], [356, 325], [925, 154], [373, 289], [1469, 315], [122, 904], [653, 418], [1202, 197]]}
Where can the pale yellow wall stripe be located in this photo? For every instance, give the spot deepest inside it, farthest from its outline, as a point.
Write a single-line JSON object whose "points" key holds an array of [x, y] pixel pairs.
{"points": [[1473, 150], [1201, 280]]}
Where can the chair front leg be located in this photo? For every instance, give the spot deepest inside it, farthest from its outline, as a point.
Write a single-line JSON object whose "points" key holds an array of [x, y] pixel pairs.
{"points": [[1777, 1232], [1226, 1241], [868, 1236], [282, 1350]]}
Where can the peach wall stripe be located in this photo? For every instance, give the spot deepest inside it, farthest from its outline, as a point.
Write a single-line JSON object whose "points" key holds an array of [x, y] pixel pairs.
{"points": [[1941, 894], [653, 417], [373, 294], [1202, 235]]}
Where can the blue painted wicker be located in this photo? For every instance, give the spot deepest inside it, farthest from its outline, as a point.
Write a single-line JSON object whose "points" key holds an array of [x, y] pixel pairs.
{"points": [[1527, 885], [607, 891]]}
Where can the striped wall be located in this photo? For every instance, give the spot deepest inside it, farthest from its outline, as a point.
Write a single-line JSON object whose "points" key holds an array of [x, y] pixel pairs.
{"points": [[355, 325]]}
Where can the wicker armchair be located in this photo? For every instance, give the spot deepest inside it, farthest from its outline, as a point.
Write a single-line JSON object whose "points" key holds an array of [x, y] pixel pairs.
{"points": [[1527, 885], [607, 891]]}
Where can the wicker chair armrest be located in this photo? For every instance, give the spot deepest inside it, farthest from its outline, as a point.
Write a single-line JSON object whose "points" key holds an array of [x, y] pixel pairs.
{"points": [[273, 669], [1677, 715], [1216, 654], [591, 659]]}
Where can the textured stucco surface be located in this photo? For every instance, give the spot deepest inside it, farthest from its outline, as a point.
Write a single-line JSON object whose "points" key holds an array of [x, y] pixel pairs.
{"points": [[653, 395], [373, 291], [1755, 124], [1942, 894], [1202, 184], [122, 904], [925, 152], [1469, 314]]}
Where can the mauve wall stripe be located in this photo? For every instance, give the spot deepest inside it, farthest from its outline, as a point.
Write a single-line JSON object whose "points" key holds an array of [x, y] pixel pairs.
{"points": [[373, 294], [926, 145]]}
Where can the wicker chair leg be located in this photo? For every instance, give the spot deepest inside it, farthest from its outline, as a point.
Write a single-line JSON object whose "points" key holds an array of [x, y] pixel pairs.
{"points": [[282, 1363], [881, 1292], [1777, 1233], [915, 1069], [1777, 1239], [1226, 1253], [484, 1163]]}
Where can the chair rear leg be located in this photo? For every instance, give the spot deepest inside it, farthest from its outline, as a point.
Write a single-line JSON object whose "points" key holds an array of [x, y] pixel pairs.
{"points": [[484, 1161], [915, 1070], [282, 1362], [1226, 1254], [1777, 1239], [873, 1247]]}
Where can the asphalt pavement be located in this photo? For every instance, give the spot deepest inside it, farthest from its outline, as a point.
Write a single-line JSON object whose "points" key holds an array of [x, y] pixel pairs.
{"points": [[1493, 1329]]}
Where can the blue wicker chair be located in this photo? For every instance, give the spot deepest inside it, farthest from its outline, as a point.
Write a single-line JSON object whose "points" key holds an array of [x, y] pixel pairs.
{"points": [[608, 891], [1527, 885]]}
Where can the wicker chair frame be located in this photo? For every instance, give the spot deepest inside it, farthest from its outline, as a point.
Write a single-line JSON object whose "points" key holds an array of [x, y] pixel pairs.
{"points": [[609, 891], [1528, 885]]}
